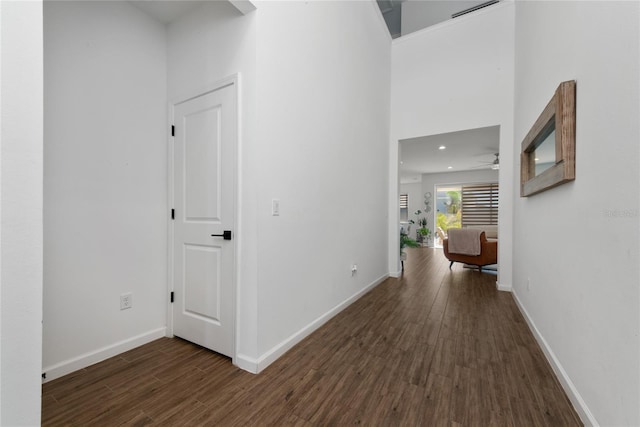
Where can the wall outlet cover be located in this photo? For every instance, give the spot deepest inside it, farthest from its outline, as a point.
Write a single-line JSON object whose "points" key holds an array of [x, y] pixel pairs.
{"points": [[126, 301]]}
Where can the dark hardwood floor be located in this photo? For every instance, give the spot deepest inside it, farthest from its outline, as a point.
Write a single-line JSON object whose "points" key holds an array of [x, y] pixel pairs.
{"points": [[433, 348]]}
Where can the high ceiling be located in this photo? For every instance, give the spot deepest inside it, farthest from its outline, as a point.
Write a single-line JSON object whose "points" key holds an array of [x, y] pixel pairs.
{"points": [[407, 16], [166, 11], [465, 150], [418, 14], [392, 13]]}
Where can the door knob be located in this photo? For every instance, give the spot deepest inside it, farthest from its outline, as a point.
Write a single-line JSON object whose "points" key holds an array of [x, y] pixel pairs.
{"points": [[226, 235]]}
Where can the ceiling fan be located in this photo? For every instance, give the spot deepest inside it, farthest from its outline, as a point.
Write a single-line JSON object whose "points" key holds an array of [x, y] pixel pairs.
{"points": [[495, 164]]}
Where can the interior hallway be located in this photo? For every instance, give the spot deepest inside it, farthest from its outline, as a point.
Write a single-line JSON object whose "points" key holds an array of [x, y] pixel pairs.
{"points": [[435, 347]]}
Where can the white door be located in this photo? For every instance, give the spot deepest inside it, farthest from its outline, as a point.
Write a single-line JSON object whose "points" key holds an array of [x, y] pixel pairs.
{"points": [[204, 192]]}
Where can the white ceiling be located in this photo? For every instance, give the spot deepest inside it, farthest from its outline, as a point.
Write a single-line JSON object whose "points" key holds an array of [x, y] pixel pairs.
{"points": [[465, 150], [166, 11], [420, 14]]}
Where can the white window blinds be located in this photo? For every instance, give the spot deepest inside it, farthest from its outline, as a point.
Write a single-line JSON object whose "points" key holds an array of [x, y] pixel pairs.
{"points": [[479, 204], [404, 207]]}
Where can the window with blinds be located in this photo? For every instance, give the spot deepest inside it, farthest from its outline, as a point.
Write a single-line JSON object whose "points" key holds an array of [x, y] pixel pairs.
{"points": [[479, 204], [404, 207]]}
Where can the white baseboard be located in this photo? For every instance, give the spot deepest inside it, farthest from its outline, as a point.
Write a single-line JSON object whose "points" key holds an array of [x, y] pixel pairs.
{"points": [[63, 368], [574, 396], [246, 363], [504, 287], [257, 365], [395, 274]]}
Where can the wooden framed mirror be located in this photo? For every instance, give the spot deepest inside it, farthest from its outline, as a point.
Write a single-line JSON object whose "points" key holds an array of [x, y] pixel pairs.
{"points": [[548, 151]]}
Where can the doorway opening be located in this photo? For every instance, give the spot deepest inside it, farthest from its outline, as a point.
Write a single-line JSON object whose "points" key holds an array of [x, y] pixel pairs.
{"points": [[443, 163]]}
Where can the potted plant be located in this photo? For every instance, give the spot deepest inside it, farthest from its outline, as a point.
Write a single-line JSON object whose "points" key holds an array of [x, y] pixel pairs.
{"points": [[419, 222], [423, 231], [406, 242]]}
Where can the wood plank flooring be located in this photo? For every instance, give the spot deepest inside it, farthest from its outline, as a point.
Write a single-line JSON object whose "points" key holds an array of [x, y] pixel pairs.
{"points": [[432, 348]]}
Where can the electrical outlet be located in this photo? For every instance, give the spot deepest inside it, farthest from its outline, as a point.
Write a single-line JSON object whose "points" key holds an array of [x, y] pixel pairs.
{"points": [[126, 301], [354, 269]]}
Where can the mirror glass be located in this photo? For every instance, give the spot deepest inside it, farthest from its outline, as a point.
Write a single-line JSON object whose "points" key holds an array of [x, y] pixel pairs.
{"points": [[545, 153]]}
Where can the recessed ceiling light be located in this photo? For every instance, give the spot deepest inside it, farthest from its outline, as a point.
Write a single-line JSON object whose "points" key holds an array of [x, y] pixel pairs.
{"points": [[449, 167], [401, 162], [442, 147], [536, 159]]}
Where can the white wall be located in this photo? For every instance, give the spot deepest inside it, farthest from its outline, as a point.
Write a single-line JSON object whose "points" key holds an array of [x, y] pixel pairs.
{"points": [[578, 244], [454, 76], [21, 212], [323, 103], [310, 111], [105, 181], [430, 180], [211, 43]]}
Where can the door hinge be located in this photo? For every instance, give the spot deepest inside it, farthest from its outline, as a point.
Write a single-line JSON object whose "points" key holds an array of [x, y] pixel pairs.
{"points": [[173, 130], [173, 214], [44, 375], [171, 296]]}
